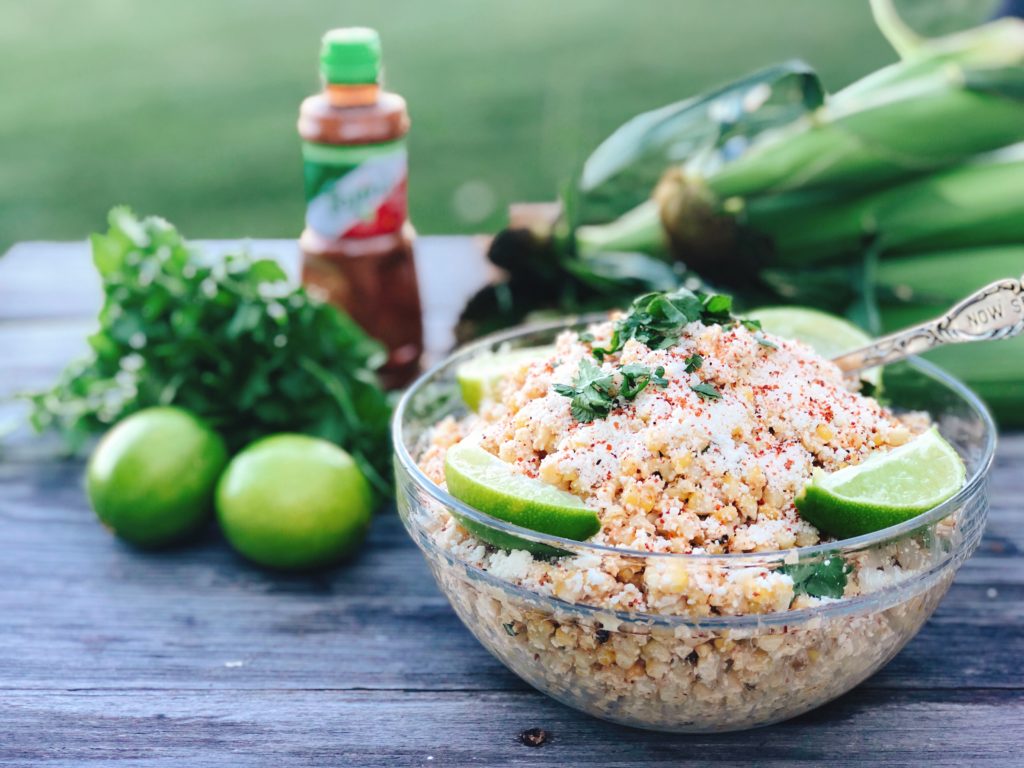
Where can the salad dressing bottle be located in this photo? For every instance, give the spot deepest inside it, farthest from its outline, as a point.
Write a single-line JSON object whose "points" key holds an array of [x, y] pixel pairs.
{"points": [[357, 244]]}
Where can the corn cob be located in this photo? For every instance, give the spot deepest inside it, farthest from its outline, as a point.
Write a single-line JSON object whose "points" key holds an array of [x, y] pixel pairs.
{"points": [[978, 203], [949, 100]]}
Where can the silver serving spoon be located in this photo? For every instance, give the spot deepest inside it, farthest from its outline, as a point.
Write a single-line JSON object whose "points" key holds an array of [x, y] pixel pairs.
{"points": [[994, 312]]}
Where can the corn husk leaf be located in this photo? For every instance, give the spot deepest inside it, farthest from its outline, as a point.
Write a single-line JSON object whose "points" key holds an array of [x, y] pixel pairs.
{"points": [[913, 126], [977, 203], [623, 170], [932, 278]]}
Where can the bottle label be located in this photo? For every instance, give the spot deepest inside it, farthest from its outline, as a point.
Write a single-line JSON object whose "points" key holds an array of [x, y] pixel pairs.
{"points": [[355, 191]]}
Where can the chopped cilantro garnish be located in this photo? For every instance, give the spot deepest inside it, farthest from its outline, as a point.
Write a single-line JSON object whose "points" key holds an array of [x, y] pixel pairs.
{"points": [[635, 379], [826, 578], [593, 391], [706, 391], [654, 319], [657, 319], [717, 308]]}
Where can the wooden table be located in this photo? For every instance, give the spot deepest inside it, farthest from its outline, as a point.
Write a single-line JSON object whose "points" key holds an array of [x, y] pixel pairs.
{"points": [[192, 657]]}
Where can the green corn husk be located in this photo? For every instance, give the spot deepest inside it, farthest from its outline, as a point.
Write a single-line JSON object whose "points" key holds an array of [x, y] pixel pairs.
{"points": [[621, 173], [945, 277], [977, 203], [884, 135], [947, 101], [969, 85], [931, 278], [980, 202]]}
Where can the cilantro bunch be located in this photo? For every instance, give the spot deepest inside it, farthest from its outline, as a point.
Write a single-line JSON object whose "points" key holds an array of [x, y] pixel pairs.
{"points": [[230, 340]]}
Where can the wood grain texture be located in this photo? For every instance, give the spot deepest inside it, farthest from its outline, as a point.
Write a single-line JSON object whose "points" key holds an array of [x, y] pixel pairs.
{"points": [[384, 728], [192, 657]]}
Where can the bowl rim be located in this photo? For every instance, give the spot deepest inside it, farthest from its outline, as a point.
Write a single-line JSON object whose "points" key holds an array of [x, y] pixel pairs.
{"points": [[869, 540]]}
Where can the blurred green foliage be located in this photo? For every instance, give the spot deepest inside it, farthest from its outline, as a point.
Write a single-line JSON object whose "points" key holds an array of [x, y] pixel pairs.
{"points": [[188, 108]]}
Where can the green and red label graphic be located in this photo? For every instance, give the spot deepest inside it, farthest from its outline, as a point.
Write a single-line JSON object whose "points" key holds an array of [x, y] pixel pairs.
{"points": [[355, 191]]}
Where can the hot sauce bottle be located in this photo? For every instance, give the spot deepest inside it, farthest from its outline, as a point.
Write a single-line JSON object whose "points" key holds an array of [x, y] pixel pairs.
{"points": [[357, 244]]}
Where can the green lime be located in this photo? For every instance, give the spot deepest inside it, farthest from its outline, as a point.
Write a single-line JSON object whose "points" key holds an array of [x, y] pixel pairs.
{"points": [[480, 377], [886, 489], [485, 482], [826, 334], [151, 479], [294, 502]]}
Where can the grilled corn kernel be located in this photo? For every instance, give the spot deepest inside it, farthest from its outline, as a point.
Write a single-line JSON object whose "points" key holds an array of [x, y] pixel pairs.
{"points": [[675, 579], [682, 461]]}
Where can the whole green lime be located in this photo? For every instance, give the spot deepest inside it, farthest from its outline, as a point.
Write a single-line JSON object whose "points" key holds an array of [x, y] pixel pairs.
{"points": [[152, 477], [294, 502]]}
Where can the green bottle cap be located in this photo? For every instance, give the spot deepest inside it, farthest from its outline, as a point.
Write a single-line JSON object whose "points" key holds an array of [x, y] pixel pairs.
{"points": [[350, 56]]}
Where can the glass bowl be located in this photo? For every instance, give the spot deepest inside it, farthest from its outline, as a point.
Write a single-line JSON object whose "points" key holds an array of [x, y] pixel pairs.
{"points": [[671, 669]]}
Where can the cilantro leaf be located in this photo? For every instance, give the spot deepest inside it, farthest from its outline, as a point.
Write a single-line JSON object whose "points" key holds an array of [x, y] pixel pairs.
{"points": [[635, 379], [693, 363], [760, 339], [826, 578], [706, 391], [590, 393], [717, 308]]}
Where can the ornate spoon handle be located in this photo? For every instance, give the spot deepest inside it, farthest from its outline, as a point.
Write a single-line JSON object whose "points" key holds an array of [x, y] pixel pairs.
{"points": [[994, 312]]}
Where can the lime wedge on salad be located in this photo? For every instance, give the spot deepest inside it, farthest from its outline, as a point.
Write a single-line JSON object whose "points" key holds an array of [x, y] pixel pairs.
{"points": [[826, 334], [886, 489], [480, 377], [485, 482]]}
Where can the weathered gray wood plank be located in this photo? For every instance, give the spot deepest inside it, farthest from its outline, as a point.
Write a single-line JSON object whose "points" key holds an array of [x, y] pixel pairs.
{"points": [[375, 728]]}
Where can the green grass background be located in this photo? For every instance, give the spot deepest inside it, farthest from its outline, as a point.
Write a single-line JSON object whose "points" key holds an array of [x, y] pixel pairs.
{"points": [[188, 108]]}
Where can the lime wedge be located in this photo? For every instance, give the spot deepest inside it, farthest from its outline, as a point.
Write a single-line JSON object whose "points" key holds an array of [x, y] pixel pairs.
{"points": [[826, 334], [480, 377], [485, 482], [885, 489]]}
